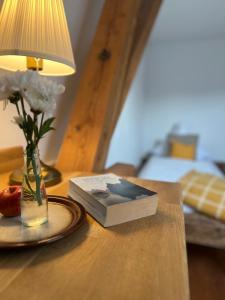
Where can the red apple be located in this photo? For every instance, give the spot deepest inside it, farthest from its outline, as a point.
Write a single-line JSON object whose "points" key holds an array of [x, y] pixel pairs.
{"points": [[10, 201]]}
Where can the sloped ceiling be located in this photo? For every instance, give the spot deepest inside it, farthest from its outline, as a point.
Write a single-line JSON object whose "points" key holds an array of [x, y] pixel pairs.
{"points": [[190, 20]]}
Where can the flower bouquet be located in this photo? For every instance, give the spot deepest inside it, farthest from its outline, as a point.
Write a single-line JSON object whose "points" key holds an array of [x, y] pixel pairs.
{"points": [[34, 98]]}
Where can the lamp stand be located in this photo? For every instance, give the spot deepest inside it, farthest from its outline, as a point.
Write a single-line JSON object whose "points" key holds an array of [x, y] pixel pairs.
{"points": [[50, 175]]}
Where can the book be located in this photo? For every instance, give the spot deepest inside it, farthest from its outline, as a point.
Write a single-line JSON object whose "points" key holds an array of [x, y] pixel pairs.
{"points": [[112, 200]]}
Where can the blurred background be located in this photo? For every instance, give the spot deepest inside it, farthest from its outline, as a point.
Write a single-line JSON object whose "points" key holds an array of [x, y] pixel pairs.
{"points": [[180, 82]]}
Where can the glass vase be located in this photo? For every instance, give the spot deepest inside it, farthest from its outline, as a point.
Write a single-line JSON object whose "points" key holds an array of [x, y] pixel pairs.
{"points": [[34, 202]]}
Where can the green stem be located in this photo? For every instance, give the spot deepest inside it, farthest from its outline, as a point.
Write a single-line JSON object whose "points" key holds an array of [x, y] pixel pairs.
{"points": [[32, 142], [23, 108], [24, 132], [42, 119], [31, 166], [17, 108], [41, 123], [24, 115], [35, 123], [29, 186], [37, 179]]}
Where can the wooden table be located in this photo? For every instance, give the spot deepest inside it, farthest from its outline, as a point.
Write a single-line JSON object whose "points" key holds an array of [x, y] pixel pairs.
{"points": [[143, 259]]}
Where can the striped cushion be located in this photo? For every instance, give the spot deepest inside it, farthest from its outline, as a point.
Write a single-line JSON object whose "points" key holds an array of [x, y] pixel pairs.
{"points": [[204, 192]]}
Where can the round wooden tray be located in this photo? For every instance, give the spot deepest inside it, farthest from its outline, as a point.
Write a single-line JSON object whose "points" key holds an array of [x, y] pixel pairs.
{"points": [[65, 216]]}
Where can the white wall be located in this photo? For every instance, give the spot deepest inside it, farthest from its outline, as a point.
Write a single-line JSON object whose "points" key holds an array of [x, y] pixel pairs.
{"points": [[177, 82], [126, 144], [188, 20], [185, 82], [82, 16], [181, 79]]}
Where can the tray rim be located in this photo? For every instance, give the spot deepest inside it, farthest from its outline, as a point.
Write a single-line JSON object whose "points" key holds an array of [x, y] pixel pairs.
{"points": [[73, 206]]}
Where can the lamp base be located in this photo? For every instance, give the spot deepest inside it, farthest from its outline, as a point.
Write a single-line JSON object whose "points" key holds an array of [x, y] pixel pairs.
{"points": [[51, 176]]}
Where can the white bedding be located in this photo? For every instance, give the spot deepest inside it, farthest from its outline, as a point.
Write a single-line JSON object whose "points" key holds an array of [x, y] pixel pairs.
{"points": [[171, 170]]}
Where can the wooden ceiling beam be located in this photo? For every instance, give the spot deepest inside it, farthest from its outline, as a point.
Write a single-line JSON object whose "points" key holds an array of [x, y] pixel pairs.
{"points": [[120, 39], [145, 20], [146, 17]]}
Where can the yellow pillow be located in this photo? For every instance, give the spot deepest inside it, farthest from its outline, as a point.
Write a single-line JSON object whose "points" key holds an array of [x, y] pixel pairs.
{"points": [[181, 150], [204, 192]]}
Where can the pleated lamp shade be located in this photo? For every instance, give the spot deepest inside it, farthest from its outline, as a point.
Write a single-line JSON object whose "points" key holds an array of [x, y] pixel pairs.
{"points": [[35, 29]]}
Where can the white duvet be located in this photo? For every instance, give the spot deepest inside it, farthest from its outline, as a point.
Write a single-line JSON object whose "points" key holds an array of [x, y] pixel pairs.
{"points": [[172, 169]]}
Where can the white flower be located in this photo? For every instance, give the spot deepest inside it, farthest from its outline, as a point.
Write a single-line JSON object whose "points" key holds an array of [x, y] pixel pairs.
{"points": [[12, 82], [4, 92], [38, 91], [41, 93], [18, 120]]}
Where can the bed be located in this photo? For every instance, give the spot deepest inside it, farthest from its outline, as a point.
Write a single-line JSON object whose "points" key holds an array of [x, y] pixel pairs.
{"points": [[200, 229], [172, 169]]}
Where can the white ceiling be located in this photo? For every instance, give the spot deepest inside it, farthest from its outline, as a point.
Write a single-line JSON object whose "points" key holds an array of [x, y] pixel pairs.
{"points": [[190, 19]]}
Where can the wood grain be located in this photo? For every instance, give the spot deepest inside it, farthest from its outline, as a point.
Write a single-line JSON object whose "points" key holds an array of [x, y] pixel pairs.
{"points": [[145, 19], [11, 158], [143, 259], [110, 68]]}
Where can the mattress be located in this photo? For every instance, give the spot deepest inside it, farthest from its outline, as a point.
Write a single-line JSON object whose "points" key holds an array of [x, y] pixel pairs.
{"points": [[172, 169]]}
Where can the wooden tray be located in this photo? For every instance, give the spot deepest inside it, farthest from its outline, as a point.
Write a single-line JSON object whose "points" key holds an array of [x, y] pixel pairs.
{"points": [[65, 216]]}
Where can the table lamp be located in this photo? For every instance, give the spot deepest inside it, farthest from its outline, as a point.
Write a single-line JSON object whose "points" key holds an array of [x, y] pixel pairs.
{"points": [[34, 35]]}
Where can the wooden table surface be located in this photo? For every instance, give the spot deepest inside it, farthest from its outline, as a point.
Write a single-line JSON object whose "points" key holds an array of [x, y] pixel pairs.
{"points": [[143, 259]]}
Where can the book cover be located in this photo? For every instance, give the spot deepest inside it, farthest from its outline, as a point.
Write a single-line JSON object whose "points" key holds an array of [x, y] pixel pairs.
{"points": [[110, 189]]}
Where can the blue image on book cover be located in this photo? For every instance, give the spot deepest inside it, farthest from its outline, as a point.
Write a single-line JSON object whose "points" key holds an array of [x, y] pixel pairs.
{"points": [[123, 191]]}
